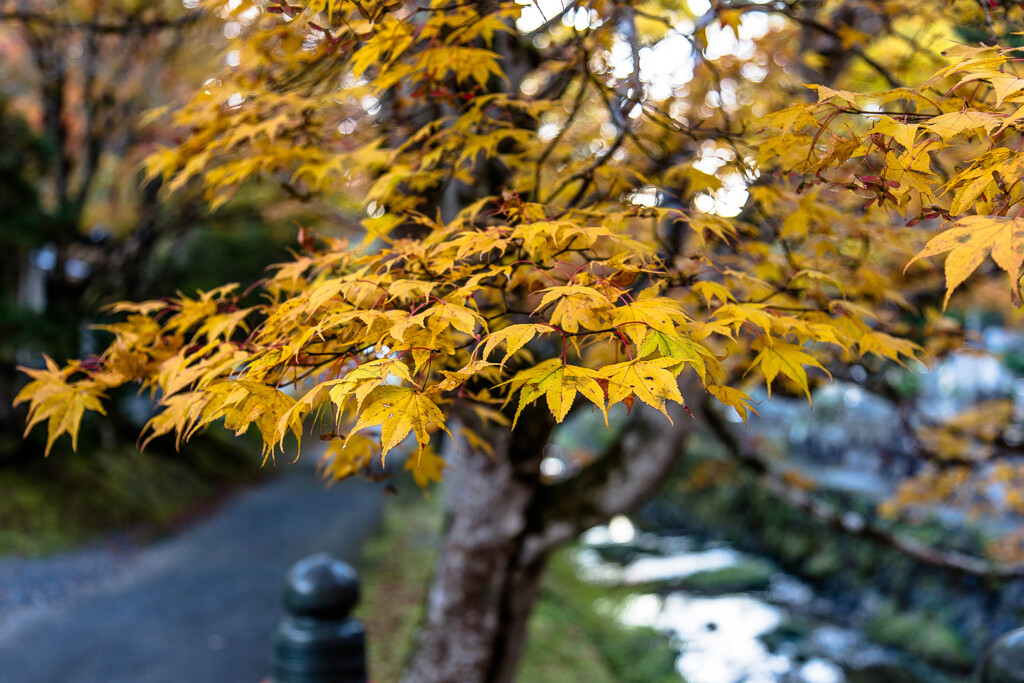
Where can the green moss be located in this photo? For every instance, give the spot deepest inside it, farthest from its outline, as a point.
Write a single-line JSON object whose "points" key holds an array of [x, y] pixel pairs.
{"points": [[823, 563], [749, 575], [559, 650], [922, 634]]}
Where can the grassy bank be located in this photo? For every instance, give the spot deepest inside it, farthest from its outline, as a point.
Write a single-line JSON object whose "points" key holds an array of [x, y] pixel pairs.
{"points": [[568, 639], [69, 499]]}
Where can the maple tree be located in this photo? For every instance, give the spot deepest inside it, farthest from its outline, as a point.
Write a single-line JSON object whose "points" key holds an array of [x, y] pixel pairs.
{"points": [[552, 225]]}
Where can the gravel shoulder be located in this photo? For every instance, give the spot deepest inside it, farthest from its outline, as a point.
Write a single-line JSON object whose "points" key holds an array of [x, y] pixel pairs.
{"points": [[197, 607]]}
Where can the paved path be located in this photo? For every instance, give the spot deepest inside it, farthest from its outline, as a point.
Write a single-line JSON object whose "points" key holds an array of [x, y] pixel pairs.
{"points": [[196, 608]]}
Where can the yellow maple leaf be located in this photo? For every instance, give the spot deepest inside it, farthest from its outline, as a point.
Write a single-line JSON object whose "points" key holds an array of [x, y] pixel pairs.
{"points": [[825, 93], [970, 240], [789, 360], [426, 467], [710, 289], [648, 380], [398, 411], [887, 346], [657, 313], [178, 413], [514, 337], [445, 314], [345, 457], [903, 133], [736, 399], [60, 402], [950, 125], [455, 379], [358, 383], [976, 60], [735, 315], [909, 171], [244, 403], [681, 350], [576, 305], [559, 384], [977, 179]]}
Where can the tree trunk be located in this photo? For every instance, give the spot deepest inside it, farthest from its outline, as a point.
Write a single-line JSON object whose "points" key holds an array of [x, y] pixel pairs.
{"points": [[483, 587], [503, 524]]}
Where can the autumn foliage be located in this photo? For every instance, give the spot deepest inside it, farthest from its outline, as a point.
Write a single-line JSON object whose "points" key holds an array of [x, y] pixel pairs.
{"points": [[587, 278]]}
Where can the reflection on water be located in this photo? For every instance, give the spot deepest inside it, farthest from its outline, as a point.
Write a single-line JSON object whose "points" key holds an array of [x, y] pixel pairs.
{"points": [[726, 638], [718, 637], [676, 558], [821, 671], [650, 569]]}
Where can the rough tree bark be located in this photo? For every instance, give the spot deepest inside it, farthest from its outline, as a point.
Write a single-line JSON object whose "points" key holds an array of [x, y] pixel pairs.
{"points": [[477, 577], [503, 524]]}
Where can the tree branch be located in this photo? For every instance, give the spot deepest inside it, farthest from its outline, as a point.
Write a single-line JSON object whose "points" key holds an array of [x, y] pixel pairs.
{"points": [[855, 524], [642, 456], [827, 30]]}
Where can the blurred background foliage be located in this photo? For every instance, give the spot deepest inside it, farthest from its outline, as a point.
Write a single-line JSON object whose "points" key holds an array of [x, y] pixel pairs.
{"points": [[81, 228]]}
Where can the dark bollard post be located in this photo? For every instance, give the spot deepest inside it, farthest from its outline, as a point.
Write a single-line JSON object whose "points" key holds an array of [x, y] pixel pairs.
{"points": [[1003, 662], [318, 642]]}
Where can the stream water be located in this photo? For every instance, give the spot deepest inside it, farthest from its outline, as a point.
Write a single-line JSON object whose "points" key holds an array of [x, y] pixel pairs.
{"points": [[732, 617]]}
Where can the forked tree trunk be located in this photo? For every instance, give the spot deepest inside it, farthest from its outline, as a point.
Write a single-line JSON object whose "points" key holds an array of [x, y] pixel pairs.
{"points": [[483, 591], [503, 523]]}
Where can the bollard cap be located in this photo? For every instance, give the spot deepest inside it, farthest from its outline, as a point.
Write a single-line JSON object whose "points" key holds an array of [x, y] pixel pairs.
{"points": [[321, 587], [1004, 660]]}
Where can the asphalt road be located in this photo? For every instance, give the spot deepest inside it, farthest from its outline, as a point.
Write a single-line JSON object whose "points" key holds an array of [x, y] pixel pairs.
{"points": [[199, 607]]}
